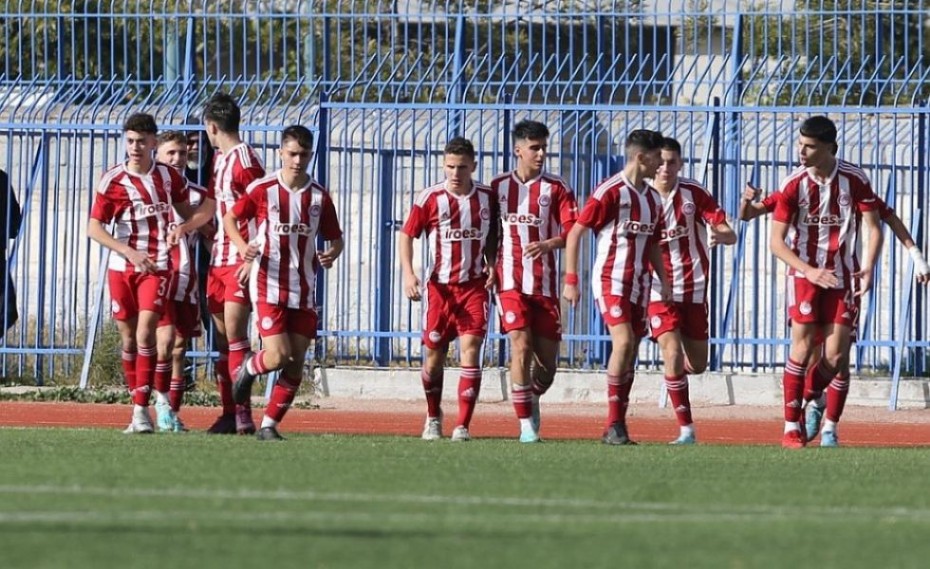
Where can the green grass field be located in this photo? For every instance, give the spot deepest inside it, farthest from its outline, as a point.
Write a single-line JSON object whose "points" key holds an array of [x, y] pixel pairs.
{"points": [[96, 498]]}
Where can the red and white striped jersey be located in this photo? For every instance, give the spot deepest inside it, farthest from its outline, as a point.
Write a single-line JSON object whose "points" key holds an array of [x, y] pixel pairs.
{"points": [[770, 201], [141, 206], [457, 229], [686, 212], [535, 211], [627, 224], [232, 174], [182, 256], [825, 217], [289, 221]]}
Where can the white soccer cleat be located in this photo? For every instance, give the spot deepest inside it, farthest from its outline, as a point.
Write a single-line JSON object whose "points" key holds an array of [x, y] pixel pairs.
{"points": [[141, 422], [460, 434], [432, 429]]}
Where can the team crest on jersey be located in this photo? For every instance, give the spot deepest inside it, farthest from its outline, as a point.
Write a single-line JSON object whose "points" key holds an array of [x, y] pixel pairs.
{"points": [[267, 323], [510, 317], [616, 311], [844, 199], [805, 308], [315, 210], [656, 322], [687, 208], [435, 336], [114, 306], [485, 213], [544, 200]]}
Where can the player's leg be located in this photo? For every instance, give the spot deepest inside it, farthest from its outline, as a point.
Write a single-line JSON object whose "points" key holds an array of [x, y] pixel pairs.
{"points": [[804, 311], [236, 316], [547, 333], [438, 327], [124, 311], [469, 383], [696, 354], [176, 386], [164, 339], [623, 325], [276, 325], [303, 324], [842, 315], [665, 322], [225, 424], [521, 394], [695, 336]]}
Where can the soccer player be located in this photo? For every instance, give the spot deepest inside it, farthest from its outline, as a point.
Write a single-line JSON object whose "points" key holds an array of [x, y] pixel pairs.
{"points": [[138, 196], [460, 219], [625, 215], [181, 320], [680, 325], [291, 210], [824, 202], [235, 166], [537, 210]]}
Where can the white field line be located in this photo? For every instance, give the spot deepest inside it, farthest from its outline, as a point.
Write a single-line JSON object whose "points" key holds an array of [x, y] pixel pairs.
{"points": [[633, 511]]}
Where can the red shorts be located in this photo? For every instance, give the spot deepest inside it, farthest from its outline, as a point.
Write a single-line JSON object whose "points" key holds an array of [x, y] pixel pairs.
{"points": [[541, 314], [223, 287], [273, 320], [131, 292], [618, 310], [688, 317], [810, 304], [454, 310], [185, 317]]}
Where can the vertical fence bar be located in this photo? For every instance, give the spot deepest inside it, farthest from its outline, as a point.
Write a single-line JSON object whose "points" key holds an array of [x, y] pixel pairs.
{"points": [[900, 344], [384, 297]]}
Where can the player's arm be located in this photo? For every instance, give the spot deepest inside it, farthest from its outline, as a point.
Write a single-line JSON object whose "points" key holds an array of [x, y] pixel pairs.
{"points": [[873, 249], [749, 208], [245, 208], [405, 250], [194, 218], [332, 234], [99, 233], [722, 234], [921, 268], [658, 265], [490, 248], [570, 290], [820, 277]]}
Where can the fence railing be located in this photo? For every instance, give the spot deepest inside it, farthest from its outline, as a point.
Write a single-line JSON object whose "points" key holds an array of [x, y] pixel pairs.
{"points": [[384, 84]]}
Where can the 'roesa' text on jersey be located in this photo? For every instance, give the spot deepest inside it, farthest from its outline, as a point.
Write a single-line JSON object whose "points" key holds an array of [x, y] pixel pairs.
{"points": [[464, 234], [143, 210], [522, 219], [638, 227], [291, 229], [673, 233], [829, 219]]}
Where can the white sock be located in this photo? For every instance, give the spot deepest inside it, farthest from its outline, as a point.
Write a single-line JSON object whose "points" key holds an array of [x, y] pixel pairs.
{"points": [[526, 424], [161, 398], [268, 422], [829, 426], [687, 430], [792, 426]]}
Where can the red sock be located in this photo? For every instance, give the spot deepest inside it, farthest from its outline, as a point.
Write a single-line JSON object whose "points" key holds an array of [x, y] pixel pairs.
{"points": [[618, 396], [224, 384], [285, 389], [145, 375], [816, 380], [162, 376], [626, 388], [469, 387], [793, 386], [677, 387], [256, 364], [238, 347], [129, 369], [836, 397], [522, 396], [176, 393], [432, 387]]}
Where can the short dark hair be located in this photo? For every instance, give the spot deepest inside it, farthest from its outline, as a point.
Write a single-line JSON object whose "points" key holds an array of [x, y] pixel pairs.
{"points": [[301, 134], [530, 130], [172, 136], [141, 122], [223, 110], [669, 143], [460, 146], [819, 128], [644, 140]]}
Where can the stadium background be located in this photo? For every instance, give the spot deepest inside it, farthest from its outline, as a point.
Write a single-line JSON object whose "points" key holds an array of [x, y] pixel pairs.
{"points": [[384, 84]]}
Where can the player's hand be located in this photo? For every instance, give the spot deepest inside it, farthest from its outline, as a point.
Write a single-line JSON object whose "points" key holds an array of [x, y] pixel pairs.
{"points": [[921, 268], [208, 231], [863, 280], [327, 258], [571, 294], [536, 249], [243, 273], [142, 262], [665, 291], [924, 278], [712, 237], [822, 278], [490, 282], [412, 287], [175, 236], [751, 194]]}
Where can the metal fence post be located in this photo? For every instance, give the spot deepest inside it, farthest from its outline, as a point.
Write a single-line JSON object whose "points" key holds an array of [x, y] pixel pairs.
{"points": [[383, 323]]}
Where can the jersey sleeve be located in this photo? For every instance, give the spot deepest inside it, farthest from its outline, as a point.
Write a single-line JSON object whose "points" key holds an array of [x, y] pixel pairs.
{"points": [[786, 205], [770, 201], [568, 210], [865, 197], [598, 212], [106, 205], [329, 221], [180, 191], [710, 210], [416, 221], [248, 205], [245, 176]]}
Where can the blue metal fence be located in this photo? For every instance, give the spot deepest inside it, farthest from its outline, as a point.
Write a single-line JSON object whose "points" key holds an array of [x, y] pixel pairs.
{"points": [[386, 83]]}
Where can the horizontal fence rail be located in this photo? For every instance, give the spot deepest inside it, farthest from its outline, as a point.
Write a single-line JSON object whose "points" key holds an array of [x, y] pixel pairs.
{"points": [[385, 84]]}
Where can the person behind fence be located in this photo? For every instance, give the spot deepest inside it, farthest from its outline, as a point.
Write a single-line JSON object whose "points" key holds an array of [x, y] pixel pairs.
{"points": [[692, 223], [11, 219], [459, 217], [181, 320], [280, 267], [138, 196], [825, 203], [199, 170], [235, 167], [537, 210], [625, 215]]}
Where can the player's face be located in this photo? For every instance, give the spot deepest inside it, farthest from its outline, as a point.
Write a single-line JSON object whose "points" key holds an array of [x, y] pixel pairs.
{"points": [[813, 153], [669, 167], [458, 169], [649, 161], [294, 157], [193, 149], [173, 154], [139, 146], [532, 152]]}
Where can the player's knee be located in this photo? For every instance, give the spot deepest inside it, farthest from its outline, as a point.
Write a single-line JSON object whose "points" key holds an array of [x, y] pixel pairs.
{"points": [[695, 368]]}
